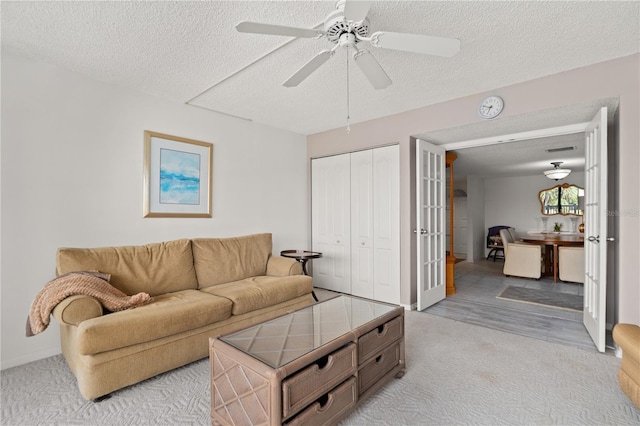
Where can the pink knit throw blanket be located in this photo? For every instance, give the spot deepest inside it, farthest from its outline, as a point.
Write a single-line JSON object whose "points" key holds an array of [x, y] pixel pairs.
{"points": [[88, 283]]}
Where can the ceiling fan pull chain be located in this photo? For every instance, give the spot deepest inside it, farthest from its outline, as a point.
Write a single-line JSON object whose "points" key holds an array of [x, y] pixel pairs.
{"points": [[348, 115]]}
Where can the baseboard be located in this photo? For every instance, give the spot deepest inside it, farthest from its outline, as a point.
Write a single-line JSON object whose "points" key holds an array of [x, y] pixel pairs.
{"points": [[411, 307], [618, 350], [9, 363]]}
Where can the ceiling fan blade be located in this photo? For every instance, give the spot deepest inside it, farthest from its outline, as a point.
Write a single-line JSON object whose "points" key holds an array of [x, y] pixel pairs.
{"points": [[355, 10], [308, 68], [372, 69], [418, 43], [258, 28]]}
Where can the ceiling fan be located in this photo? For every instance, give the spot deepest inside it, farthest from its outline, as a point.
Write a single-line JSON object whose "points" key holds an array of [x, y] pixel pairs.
{"points": [[348, 26]]}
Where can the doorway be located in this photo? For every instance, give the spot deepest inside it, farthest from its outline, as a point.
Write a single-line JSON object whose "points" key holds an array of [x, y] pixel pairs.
{"points": [[476, 250]]}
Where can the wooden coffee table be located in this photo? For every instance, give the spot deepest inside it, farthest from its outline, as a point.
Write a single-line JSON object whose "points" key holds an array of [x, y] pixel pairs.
{"points": [[312, 365]]}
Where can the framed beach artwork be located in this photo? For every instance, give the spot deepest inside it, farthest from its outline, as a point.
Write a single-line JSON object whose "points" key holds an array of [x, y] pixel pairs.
{"points": [[177, 176]]}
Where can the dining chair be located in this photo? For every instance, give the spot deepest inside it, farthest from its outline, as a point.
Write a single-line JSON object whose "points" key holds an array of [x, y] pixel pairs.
{"points": [[571, 264], [494, 242], [520, 259]]}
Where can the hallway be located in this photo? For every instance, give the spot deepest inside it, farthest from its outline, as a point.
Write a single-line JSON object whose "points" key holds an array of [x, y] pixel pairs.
{"points": [[475, 302]]}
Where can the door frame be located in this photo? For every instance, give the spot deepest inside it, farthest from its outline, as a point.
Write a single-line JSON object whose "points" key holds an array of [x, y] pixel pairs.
{"points": [[529, 135], [518, 137]]}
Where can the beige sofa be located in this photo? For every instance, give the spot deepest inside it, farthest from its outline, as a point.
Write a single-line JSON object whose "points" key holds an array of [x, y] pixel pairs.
{"points": [[201, 288]]}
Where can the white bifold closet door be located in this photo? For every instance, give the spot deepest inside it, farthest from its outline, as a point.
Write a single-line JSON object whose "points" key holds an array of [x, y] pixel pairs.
{"points": [[330, 222], [374, 224]]}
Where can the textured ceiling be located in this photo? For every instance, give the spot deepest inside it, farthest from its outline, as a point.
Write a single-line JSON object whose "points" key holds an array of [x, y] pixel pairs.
{"points": [[524, 158], [189, 51]]}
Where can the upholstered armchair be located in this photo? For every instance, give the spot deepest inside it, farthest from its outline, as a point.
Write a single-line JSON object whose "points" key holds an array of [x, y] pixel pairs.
{"points": [[571, 262], [520, 259]]}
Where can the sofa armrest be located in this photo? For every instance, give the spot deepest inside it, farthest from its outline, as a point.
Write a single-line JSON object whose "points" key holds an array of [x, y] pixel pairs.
{"points": [[278, 266], [627, 337], [75, 309]]}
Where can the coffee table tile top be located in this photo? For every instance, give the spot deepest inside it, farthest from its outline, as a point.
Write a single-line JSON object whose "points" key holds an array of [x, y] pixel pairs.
{"points": [[282, 340]]}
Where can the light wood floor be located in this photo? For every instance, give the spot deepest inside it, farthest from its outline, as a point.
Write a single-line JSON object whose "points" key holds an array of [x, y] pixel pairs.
{"points": [[475, 302]]}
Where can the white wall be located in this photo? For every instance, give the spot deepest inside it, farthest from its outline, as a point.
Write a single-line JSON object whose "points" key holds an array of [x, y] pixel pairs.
{"points": [[514, 201], [72, 156], [476, 234], [460, 227]]}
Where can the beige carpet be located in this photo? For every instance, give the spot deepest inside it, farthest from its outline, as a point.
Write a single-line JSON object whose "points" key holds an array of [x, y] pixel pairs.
{"points": [[457, 373]]}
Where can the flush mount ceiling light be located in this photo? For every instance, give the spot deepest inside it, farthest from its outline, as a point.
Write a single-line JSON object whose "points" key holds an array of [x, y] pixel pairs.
{"points": [[557, 173]]}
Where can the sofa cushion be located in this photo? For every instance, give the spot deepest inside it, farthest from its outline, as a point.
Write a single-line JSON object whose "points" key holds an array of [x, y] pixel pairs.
{"points": [[223, 260], [261, 292], [153, 268], [168, 314]]}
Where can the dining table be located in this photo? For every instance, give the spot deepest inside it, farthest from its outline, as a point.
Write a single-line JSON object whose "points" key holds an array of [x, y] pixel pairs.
{"points": [[552, 241]]}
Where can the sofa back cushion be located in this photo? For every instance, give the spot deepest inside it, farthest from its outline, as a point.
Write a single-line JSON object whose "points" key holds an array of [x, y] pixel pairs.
{"points": [[153, 268], [222, 260]]}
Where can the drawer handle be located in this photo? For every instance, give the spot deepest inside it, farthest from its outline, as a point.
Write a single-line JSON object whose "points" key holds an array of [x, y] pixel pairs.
{"points": [[379, 359], [382, 330], [326, 401], [324, 364]]}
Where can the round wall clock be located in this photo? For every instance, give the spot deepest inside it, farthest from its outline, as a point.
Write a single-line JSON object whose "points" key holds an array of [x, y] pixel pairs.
{"points": [[491, 107]]}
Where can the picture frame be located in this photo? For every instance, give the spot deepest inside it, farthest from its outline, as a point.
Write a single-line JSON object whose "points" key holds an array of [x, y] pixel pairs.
{"points": [[177, 176]]}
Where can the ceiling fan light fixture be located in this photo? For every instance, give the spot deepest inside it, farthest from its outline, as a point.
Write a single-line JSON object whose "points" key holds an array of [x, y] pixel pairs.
{"points": [[557, 173]]}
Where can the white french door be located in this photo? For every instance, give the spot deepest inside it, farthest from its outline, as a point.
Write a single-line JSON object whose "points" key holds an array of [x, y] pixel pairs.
{"points": [[595, 216], [430, 226]]}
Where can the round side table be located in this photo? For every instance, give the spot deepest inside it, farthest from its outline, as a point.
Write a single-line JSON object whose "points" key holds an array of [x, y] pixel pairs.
{"points": [[303, 257]]}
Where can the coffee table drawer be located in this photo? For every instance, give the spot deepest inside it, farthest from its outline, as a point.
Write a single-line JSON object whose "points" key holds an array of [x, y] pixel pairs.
{"points": [[377, 367], [317, 379], [329, 409], [382, 336]]}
